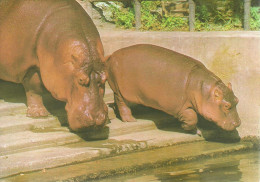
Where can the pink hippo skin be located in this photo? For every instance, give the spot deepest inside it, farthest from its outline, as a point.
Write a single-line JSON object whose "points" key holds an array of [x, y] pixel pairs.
{"points": [[172, 82], [54, 42]]}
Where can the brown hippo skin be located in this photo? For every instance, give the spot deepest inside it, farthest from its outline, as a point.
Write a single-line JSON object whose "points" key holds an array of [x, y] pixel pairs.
{"points": [[174, 83], [54, 42]]}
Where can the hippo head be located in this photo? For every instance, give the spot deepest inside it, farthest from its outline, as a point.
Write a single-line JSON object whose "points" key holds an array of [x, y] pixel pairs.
{"points": [[85, 105], [77, 76], [220, 107]]}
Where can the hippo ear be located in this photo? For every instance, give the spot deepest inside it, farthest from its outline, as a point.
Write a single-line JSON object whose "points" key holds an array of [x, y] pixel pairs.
{"points": [[218, 94], [229, 85]]}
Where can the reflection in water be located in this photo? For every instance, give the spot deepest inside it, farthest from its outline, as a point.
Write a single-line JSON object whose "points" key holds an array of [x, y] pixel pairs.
{"points": [[232, 168], [209, 173]]}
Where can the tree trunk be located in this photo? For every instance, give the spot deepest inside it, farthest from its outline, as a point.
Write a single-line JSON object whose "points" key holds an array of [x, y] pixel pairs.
{"points": [[191, 15], [247, 4], [137, 5]]}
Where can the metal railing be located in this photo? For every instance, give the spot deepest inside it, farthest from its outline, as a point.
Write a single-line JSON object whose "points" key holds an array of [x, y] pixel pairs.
{"points": [[192, 7]]}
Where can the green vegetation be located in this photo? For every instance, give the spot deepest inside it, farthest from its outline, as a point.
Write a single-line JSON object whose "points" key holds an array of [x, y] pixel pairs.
{"points": [[255, 18], [152, 19], [123, 17], [209, 17]]}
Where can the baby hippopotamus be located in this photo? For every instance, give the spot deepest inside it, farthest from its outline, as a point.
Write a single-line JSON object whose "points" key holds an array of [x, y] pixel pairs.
{"points": [[171, 82]]}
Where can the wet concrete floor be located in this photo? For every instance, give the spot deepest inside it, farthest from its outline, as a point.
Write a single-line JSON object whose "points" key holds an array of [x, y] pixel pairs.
{"points": [[211, 161], [243, 167]]}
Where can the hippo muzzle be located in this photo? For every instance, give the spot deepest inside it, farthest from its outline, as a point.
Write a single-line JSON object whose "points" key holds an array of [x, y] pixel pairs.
{"points": [[231, 122], [81, 117]]}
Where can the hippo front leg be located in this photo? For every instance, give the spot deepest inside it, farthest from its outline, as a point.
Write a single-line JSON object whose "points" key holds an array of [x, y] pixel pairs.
{"points": [[189, 119], [33, 88], [124, 111]]}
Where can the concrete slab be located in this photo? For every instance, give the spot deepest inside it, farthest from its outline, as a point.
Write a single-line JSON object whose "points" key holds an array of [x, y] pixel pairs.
{"points": [[158, 138], [17, 123], [86, 151], [44, 158], [36, 138], [109, 98], [8, 108], [117, 127], [30, 140]]}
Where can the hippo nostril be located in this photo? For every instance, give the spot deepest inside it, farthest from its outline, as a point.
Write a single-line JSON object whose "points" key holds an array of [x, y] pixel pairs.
{"points": [[90, 118], [236, 123], [101, 118]]}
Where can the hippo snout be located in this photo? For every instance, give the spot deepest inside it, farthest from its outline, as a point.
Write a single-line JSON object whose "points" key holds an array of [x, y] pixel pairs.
{"points": [[230, 125], [80, 120], [237, 123], [101, 118]]}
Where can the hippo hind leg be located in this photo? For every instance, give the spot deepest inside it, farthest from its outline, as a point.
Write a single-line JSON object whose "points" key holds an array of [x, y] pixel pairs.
{"points": [[33, 88], [124, 111]]}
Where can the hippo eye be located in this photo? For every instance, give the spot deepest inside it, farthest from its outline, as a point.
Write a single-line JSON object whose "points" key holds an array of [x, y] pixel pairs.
{"points": [[227, 106], [83, 79]]}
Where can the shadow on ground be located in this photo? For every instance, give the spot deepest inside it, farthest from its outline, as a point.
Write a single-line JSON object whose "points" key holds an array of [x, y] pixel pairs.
{"points": [[166, 122], [14, 93]]}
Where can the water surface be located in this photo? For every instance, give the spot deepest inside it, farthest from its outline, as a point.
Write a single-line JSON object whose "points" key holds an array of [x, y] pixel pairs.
{"points": [[232, 168]]}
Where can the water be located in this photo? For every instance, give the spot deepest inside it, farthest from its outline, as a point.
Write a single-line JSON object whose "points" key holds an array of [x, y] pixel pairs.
{"points": [[232, 168]]}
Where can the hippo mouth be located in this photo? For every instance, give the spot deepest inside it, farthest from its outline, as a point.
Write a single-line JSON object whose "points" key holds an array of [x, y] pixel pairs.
{"points": [[80, 118], [228, 125]]}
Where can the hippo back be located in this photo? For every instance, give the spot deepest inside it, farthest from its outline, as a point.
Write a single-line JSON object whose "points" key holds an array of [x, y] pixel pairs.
{"points": [[158, 76]]}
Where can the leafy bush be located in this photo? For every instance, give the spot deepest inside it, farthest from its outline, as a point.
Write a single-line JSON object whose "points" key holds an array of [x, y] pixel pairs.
{"points": [[123, 17], [255, 18], [150, 21], [208, 17], [174, 23]]}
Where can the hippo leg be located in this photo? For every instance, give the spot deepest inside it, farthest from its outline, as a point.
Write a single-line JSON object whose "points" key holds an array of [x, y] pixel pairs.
{"points": [[189, 119], [124, 110], [33, 88]]}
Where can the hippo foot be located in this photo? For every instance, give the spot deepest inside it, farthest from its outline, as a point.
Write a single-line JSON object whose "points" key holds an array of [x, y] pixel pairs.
{"points": [[128, 118], [37, 112], [189, 127]]}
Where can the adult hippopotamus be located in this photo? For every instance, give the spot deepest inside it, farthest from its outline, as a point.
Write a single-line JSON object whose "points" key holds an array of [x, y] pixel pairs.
{"points": [[172, 82], [57, 44]]}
